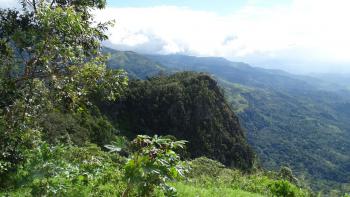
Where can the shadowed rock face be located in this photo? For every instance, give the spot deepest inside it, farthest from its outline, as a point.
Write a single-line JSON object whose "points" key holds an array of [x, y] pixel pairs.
{"points": [[188, 106]]}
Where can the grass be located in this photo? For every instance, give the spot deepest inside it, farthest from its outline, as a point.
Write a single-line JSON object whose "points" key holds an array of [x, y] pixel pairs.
{"points": [[190, 190]]}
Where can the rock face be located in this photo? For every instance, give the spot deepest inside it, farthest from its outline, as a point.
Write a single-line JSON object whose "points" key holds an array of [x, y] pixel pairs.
{"points": [[189, 106]]}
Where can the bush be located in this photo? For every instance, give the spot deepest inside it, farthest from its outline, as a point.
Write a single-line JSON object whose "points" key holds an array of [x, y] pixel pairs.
{"points": [[287, 174], [78, 128], [283, 188], [152, 164], [204, 166], [70, 171], [14, 145]]}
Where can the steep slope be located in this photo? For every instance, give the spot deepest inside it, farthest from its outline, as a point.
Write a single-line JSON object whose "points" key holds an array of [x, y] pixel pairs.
{"points": [[291, 120], [188, 106]]}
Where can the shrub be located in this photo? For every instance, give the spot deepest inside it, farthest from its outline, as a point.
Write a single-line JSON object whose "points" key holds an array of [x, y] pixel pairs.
{"points": [[283, 188], [204, 166], [14, 145], [152, 164], [71, 171], [287, 174]]}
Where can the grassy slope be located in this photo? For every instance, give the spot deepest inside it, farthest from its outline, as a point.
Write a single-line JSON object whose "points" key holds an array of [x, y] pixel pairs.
{"points": [[206, 178], [183, 189], [186, 190]]}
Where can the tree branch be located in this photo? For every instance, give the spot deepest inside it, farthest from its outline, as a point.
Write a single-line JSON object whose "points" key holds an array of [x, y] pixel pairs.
{"points": [[34, 6], [52, 3]]}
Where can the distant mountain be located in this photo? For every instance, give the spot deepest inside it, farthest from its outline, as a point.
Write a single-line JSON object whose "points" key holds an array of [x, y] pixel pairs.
{"points": [[243, 73], [342, 80], [137, 66], [298, 121]]}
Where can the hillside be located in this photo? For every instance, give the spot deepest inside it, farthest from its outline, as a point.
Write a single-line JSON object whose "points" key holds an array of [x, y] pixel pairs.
{"points": [[291, 120], [298, 121], [188, 106], [137, 66]]}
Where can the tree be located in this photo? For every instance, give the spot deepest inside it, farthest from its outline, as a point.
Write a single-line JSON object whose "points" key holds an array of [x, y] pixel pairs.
{"points": [[50, 60]]}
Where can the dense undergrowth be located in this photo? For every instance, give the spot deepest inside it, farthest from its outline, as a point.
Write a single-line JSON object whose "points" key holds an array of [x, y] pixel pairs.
{"points": [[89, 171]]}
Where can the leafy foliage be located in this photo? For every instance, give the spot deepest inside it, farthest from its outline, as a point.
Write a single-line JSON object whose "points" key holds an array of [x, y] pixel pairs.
{"points": [[69, 171], [64, 170], [50, 63], [152, 164], [77, 128], [283, 188]]}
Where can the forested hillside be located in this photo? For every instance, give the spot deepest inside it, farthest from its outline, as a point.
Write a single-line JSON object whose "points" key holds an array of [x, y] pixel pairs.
{"points": [[188, 106], [291, 120], [70, 126], [138, 66]]}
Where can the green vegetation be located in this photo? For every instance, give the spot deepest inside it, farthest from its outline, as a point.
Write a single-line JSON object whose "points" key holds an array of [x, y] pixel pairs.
{"points": [[186, 190], [66, 120], [88, 171], [137, 66], [290, 120], [68, 170], [210, 178], [188, 106], [51, 66], [152, 164]]}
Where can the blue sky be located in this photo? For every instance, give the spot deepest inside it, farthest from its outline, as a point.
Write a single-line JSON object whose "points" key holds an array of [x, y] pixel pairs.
{"points": [[217, 6]]}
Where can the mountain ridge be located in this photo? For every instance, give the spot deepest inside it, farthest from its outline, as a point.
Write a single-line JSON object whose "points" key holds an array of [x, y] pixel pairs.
{"points": [[290, 120]]}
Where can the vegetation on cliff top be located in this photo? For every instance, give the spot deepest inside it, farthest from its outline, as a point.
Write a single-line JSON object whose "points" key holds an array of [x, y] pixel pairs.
{"points": [[187, 106]]}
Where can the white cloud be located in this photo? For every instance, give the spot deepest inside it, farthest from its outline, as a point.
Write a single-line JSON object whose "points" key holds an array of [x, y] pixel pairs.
{"points": [[306, 32], [9, 4], [306, 35]]}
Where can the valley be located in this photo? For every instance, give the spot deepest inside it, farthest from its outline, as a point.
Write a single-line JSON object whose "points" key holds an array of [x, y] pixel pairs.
{"points": [[290, 120]]}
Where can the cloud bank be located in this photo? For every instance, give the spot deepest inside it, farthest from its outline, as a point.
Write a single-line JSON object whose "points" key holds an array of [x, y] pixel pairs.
{"points": [[9, 4], [304, 36]]}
